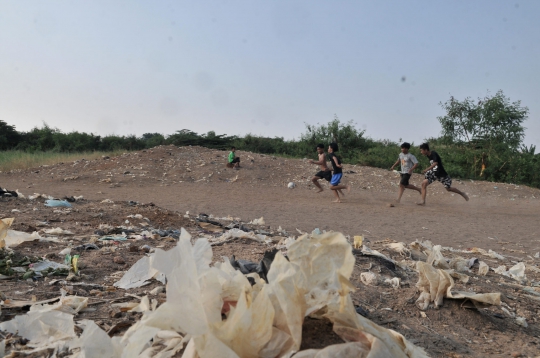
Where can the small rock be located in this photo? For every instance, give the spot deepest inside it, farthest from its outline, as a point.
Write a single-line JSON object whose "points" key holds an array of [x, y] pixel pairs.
{"points": [[145, 248], [119, 260], [391, 205], [516, 354]]}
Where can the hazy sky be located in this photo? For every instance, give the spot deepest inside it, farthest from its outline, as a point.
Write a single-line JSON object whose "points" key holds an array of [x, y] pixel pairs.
{"points": [[262, 67]]}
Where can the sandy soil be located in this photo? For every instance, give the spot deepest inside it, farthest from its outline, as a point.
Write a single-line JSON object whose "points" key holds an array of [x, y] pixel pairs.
{"points": [[502, 217]]}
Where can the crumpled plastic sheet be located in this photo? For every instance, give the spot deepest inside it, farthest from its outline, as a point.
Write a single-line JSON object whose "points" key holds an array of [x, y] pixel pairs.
{"points": [[263, 320], [436, 284], [12, 238], [517, 272], [240, 234], [42, 329], [140, 274]]}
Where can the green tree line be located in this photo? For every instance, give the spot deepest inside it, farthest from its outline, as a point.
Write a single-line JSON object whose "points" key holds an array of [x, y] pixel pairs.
{"points": [[480, 139]]}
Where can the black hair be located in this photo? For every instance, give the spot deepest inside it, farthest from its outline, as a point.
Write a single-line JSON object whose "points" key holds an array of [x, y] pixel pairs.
{"points": [[424, 146], [320, 145], [233, 147], [334, 147], [406, 145]]}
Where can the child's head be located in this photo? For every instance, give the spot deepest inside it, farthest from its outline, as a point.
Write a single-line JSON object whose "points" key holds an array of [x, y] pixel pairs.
{"points": [[405, 147], [233, 149], [333, 147], [320, 148], [424, 148]]}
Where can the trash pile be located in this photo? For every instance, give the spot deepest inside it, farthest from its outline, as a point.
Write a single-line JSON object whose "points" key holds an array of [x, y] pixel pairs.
{"points": [[214, 311], [132, 282]]}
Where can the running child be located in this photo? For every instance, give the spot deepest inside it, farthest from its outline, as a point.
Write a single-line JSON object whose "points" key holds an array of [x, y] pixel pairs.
{"points": [[436, 172], [324, 172], [338, 172], [408, 164]]}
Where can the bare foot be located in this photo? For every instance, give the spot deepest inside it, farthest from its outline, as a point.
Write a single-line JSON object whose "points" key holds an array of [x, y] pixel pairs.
{"points": [[465, 196], [337, 201], [421, 203]]}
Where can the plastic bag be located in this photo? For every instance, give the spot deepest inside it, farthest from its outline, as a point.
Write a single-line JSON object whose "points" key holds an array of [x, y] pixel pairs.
{"points": [[57, 203]]}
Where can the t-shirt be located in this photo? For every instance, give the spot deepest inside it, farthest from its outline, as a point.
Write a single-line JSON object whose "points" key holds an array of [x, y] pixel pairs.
{"points": [[231, 157], [407, 162], [438, 169], [337, 170]]}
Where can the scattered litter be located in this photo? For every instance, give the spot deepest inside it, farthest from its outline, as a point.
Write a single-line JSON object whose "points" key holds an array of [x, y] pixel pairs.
{"points": [[483, 268], [57, 231], [291, 185], [435, 284], [522, 322], [259, 221], [57, 203], [107, 201], [369, 279], [394, 282], [358, 241]]}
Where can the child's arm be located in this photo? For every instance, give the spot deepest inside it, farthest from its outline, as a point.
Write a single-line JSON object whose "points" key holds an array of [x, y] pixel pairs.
{"points": [[337, 164], [396, 163], [321, 161], [430, 167], [413, 168]]}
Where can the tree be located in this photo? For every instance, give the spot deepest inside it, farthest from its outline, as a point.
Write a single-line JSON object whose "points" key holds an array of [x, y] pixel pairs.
{"points": [[8, 136], [493, 120]]}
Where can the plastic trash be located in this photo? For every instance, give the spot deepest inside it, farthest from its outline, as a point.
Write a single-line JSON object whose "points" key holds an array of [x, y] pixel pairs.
{"points": [[369, 279], [436, 284], [42, 329], [57, 231], [259, 221], [46, 265], [138, 275], [57, 203], [358, 241], [113, 238], [483, 268], [400, 248], [522, 322], [436, 259], [394, 282]]}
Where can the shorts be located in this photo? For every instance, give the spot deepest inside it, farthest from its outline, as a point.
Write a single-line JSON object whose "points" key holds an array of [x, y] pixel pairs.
{"points": [[336, 178], [446, 180], [235, 160], [324, 174], [405, 179]]}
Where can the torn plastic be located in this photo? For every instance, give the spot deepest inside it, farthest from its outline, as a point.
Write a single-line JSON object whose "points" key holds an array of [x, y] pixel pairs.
{"points": [[435, 284], [221, 314], [47, 265], [140, 274], [400, 248], [240, 234], [42, 329]]}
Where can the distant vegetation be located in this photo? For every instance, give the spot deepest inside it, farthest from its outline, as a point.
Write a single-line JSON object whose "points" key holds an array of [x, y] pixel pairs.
{"points": [[480, 139]]}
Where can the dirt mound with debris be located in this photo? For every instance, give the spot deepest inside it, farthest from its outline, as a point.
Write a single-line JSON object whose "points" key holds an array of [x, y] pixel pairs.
{"points": [[136, 203]]}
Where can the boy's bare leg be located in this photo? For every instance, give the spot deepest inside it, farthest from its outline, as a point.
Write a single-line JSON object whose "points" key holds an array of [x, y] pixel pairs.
{"points": [[315, 181], [465, 196], [413, 187], [401, 190], [423, 192], [336, 195]]}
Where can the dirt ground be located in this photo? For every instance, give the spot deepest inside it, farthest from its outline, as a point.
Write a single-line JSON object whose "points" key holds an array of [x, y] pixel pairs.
{"points": [[166, 182]]}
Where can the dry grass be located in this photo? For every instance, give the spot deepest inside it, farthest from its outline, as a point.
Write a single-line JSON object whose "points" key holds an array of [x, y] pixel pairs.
{"points": [[17, 160]]}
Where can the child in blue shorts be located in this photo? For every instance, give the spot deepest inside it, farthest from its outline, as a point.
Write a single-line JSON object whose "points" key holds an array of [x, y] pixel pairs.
{"points": [[338, 172]]}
